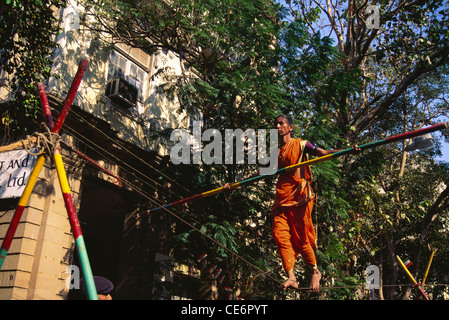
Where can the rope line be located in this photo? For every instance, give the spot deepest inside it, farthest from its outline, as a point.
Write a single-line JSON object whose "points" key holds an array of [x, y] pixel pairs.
{"points": [[262, 272], [361, 286]]}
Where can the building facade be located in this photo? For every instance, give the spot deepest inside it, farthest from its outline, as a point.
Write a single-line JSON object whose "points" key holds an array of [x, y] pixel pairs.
{"points": [[112, 150]]}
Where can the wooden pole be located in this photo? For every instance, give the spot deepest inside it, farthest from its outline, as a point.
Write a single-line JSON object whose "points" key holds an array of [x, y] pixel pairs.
{"points": [[428, 268], [70, 96], [44, 101], [76, 228], [20, 207]]}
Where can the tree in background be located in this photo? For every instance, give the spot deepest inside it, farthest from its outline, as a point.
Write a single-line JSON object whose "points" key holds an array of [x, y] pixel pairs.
{"points": [[390, 79], [28, 33]]}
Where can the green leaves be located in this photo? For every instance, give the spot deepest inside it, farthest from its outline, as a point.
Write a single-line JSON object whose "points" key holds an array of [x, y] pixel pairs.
{"points": [[27, 47]]}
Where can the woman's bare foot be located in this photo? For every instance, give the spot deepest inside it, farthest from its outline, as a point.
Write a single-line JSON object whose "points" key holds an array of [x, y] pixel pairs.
{"points": [[315, 282], [290, 283]]}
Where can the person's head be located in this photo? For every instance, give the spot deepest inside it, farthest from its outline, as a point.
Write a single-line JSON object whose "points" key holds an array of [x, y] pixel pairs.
{"points": [[284, 125], [104, 288]]}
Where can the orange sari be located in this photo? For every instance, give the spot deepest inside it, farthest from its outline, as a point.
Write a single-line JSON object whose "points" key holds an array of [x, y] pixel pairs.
{"points": [[292, 227]]}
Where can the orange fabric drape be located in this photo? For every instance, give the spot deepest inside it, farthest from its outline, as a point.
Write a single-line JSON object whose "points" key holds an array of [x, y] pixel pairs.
{"points": [[292, 228]]}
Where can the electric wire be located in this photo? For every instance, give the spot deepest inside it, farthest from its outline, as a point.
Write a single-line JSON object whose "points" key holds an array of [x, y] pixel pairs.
{"points": [[155, 202], [131, 153]]}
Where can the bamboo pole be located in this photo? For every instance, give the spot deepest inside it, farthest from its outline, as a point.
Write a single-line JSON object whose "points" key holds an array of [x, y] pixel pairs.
{"points": [[20, 207], [428, 267], [70, 96], [412, 278], [407, 135], [76, 228], [20, 144], [44, 101]]}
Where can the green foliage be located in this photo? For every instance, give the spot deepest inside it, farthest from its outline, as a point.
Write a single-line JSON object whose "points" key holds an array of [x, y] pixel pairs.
{"points": [[25, 56]]}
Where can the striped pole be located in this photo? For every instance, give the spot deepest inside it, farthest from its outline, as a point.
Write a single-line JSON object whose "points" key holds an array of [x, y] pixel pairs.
{"points": [[428, 268], [76, 228], [41, 160], [335, 155], [44, 101], [82, 67], [20, 207], [412, 278]]}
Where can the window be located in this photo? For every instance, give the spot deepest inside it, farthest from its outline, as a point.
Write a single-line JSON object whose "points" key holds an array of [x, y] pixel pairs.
{"points": [[122, 67]]}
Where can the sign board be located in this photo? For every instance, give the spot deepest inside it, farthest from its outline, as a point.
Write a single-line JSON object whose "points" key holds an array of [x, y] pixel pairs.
{"points": [[15, 170]]}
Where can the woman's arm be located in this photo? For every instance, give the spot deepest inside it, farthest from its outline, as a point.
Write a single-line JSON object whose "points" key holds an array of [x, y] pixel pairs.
{"points": [[321, 152]]}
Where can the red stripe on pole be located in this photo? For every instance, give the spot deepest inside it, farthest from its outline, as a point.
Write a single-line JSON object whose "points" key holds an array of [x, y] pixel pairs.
{"points": [[439, 126], [187, 199], [73, 217], [12, 227], [45, 105], [71, 95]]}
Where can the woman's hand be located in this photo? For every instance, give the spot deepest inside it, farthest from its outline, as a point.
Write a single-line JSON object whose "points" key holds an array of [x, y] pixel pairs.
{"points": [[356, 149]]}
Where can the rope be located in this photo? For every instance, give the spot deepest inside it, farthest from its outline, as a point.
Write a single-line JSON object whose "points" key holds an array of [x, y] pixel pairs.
{"points": [[360, 286], [131, 153], [46, 142]]}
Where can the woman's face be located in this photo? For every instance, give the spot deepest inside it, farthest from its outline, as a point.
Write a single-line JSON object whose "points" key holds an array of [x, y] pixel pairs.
{"points": [[282, 126]]}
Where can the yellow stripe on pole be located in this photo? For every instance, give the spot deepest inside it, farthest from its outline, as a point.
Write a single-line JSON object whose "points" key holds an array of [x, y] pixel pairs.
{"points": [[61, 172], [428, 267], [406, 270], [212, 192], [412, 278], [32, 181], [309, 162]]}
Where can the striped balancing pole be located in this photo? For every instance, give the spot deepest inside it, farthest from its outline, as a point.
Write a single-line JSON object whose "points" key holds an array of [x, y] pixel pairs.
{"points": [[79, 241], [407, 135]]}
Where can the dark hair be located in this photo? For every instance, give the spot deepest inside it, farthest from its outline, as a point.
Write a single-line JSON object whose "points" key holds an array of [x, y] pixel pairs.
{"points": [[289, 121], [286, 117]]}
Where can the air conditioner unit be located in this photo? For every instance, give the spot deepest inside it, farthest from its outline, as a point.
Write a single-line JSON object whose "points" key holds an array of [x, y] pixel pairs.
{"points": [[122, 92]]}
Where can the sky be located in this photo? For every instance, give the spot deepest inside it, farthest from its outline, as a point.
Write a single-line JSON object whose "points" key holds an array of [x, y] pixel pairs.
{"points": [[437, 135]]}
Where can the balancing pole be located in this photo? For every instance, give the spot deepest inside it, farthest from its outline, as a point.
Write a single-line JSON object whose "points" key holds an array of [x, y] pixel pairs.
{"points": [[407, 135], [412, 278]]}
